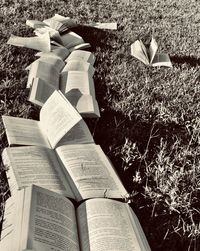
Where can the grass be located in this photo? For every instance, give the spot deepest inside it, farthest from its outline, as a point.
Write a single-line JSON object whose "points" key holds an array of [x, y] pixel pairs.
{"points": [[149, 125]]}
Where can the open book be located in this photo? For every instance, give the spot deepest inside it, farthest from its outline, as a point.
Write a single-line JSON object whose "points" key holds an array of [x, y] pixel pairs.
{"points": [[150, 56], [59, 121], [78, 171], [44, 220]]}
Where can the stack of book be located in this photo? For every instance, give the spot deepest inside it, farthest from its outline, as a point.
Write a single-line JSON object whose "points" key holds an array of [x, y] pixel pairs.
{"points": [[65, 192]]}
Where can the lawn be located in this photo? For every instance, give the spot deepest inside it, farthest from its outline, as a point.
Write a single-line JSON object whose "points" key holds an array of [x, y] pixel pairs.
{"points": [[150, 117]]}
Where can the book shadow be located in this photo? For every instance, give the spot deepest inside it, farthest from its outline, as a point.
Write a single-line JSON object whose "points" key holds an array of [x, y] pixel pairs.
{"points": [[96, 37], [192, 61]]}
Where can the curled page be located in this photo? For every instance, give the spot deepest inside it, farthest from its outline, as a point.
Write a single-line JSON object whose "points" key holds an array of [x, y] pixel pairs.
{"points": [[41, 43], [57, 117]]}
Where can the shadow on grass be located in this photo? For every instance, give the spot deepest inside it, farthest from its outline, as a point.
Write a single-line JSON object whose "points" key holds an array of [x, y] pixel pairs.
{"points": [[192, 61]]}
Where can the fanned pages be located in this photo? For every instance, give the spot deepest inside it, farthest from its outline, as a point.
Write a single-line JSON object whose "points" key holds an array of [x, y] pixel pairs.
{"points": [[150, 56], [41, 43]]}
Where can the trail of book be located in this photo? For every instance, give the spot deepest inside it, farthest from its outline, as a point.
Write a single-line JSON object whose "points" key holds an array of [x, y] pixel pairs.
{"points": [[65, 192]]}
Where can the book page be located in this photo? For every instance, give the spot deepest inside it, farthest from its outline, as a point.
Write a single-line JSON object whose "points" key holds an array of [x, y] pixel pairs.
{"points": [[152, 49], [79, 134], [138, 51], [45, 71], [90, 171], [36, 165], [105, 225], [77, 65], [162, 59], [79, 80], [49, 222], [57, 117], [22, 131], [82, 56], [40, 91], [41, 43]]}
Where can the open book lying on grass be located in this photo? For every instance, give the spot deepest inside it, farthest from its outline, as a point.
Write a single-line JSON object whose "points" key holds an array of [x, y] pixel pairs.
{"points": [[78, 171], [59, 121], [39, 219], [150, 56]]}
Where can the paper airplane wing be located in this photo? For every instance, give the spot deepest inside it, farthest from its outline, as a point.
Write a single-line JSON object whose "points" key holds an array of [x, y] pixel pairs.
{"points": [[137, 51]]}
